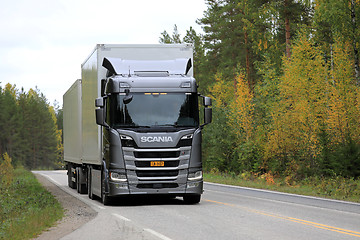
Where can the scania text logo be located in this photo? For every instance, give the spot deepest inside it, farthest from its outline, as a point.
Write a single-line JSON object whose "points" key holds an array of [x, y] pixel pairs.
{"points": [[156, 139]]}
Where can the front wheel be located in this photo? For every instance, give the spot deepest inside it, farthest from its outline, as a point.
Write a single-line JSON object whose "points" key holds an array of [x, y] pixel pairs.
{"points": [[192, 199]]}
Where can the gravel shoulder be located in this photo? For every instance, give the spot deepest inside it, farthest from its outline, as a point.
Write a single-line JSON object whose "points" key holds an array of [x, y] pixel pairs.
{"points": [[77, 213]]}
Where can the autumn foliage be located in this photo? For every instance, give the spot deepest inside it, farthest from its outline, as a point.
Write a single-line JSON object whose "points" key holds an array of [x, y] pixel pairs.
{"points": [[285, 79], [309, 124]]}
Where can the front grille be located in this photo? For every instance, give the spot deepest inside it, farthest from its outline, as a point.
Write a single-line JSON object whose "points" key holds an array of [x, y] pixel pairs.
{"points": [[155, 173], [171, 154], [166, 163], [157, 185]]}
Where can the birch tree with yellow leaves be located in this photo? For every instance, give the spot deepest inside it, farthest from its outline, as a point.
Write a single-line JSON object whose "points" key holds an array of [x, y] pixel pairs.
{"points": [[300, 115], [343, 114], [317, 100]]}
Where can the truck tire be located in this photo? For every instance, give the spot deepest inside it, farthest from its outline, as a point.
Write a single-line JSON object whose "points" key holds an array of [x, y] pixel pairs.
{"points": [[71, 175], [80, 185], [77, 179], [192, 199]]}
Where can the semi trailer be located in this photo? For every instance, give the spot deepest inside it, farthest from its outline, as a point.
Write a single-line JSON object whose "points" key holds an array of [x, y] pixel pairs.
{"points": [[132, 123]]}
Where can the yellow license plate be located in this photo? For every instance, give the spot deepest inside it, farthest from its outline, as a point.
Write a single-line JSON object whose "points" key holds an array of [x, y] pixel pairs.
{"points": [[156, 163]]}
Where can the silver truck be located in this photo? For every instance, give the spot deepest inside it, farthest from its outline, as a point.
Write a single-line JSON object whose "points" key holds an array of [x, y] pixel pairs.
{"points": [[131, 124]]}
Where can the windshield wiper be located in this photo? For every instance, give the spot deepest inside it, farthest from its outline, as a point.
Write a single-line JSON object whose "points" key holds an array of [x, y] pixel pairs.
{"points": [[173, 125], [133, 126], [166, 125]]}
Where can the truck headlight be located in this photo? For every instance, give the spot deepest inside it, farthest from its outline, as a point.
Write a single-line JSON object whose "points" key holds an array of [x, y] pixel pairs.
{"points": [[185, 141], [118, 177], [189, 136], [127, 141], [196, 176]]}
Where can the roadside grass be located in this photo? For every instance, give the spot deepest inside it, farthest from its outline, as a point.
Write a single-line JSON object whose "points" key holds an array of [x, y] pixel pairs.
{"points": [[26, 208], [337, 187]]}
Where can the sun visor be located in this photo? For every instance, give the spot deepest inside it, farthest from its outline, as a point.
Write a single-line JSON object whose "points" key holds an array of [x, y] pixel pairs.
{"points": [[172, 67]]}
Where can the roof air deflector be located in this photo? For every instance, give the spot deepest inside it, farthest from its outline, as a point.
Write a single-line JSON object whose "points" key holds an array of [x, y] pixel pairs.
{"points": [[180, 66], [107, 64]]}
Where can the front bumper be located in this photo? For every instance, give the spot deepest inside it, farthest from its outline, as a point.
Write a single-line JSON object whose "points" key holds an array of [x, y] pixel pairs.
{"points": [[155, 188]]}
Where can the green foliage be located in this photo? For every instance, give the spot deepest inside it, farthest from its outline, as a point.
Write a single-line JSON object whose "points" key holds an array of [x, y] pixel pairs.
{"points": [[6, 170], [338, 21], [219, 142], [9, 121], [335, 187], [201, 68], [342, 160], [166, 38], [28, 128], [26, 208], [295, 116]]}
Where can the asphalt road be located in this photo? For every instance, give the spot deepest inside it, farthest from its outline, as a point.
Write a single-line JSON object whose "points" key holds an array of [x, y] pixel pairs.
{"points": [[225, 212]]}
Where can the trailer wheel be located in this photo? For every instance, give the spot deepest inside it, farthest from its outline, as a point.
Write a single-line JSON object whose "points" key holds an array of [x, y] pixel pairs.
{"points": [[81, 186], [192, 199], [78, 179], [71, 176]]}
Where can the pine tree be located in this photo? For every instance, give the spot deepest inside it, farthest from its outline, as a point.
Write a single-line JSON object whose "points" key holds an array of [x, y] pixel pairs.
{"points": [[227, 25], [165, 37], [9, 132]]}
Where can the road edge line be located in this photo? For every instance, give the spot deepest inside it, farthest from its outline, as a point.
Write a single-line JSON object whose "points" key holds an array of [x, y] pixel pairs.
{"points": [[282, 193]]}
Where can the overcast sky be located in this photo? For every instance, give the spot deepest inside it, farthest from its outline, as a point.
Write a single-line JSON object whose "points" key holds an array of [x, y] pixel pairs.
{"points": [[44, 42]]}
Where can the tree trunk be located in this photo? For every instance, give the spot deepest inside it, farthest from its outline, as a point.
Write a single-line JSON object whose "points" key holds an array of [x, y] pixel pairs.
{"points": [[356, 52], [287, 29], [248, 61]]}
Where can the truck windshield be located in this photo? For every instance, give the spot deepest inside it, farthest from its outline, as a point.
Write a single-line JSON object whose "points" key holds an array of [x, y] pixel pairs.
{"points": [[155, 109]]}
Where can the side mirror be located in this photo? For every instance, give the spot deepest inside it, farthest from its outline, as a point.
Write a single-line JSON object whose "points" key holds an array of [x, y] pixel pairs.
{"points": [[99, 112], [128, 98], [103, 83], [99, 102], [207, 111], [207, 102], [207, 115]]}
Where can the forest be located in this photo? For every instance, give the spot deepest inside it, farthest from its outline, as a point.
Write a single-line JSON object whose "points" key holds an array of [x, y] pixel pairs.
{"points": [[30, 129], [284, 77]]}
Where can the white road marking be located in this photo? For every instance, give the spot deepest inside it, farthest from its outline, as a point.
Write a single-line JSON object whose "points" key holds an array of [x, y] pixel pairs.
{"points": [[51, 179], [159, 235], [78, 196], [282, 193], [121, 217], [95, 205]]}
